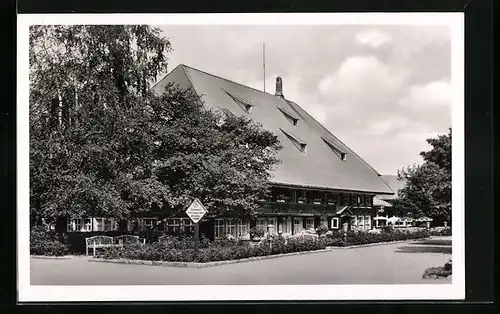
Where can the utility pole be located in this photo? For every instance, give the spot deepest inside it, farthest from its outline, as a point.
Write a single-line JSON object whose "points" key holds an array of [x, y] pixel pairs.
{"points": [[264, 63]]}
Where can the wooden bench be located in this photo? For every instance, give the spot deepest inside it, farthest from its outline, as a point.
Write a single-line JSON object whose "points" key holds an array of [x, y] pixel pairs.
{"points": [[96, 242], [128, 239], [164, 238]]}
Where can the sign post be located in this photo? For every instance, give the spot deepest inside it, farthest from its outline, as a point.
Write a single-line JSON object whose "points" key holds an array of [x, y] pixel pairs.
{"points": [[196, 211]]}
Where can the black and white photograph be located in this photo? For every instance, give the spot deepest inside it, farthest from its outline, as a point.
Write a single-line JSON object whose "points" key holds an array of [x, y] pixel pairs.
{"points": [[240, 157]]}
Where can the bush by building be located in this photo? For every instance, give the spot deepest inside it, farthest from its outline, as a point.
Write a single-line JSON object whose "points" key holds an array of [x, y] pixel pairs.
{"points": [[47, 242], [358, 238], [181, 249]]}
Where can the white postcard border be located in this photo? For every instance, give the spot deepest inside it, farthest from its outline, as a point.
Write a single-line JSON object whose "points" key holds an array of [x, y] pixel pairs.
{"points": [[455, 290]]}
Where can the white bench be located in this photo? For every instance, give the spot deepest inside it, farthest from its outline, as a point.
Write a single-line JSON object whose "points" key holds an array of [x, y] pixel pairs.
{"points": [[128, 239], [96, 242]]}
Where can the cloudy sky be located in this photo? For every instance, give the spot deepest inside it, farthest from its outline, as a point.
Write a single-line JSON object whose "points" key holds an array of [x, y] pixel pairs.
{"points": [[382, 90]]}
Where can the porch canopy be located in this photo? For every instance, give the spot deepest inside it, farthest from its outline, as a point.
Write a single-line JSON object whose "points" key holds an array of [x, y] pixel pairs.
{"points": [[380, 218], [343, 211], [379, 202]]}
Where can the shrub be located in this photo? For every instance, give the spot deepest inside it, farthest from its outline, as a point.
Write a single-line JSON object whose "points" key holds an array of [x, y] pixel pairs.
{"points": [[183, 241], [256, 232], [322, 230], [441, 232], [225, 241], [230, 249], [47, 242]]}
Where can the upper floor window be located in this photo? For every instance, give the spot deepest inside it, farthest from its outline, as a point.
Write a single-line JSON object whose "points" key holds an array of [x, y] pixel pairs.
{"points": [[362, 200]]}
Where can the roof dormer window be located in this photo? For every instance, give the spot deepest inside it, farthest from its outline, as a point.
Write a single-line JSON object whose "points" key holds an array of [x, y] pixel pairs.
{"points": [[290, 117], [300, 144], [245, 105], [341, 154]]}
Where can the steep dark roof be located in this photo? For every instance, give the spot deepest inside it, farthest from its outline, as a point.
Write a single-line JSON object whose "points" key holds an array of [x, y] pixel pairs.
{"points": [[311, 155], [395, 185]]}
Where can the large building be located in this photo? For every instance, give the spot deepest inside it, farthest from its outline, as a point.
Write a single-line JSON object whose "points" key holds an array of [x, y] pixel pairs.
{"points": [[320, 181]]}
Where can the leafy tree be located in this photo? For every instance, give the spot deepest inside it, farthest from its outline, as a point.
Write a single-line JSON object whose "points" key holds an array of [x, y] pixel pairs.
{"points": [[428, 186], [101, 143], [223, 160]]}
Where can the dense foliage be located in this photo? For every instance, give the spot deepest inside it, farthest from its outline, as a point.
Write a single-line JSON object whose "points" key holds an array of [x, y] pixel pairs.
{"points": [[216, 251], [45, 242], [102, 144], [358, 238], [427, 191]]}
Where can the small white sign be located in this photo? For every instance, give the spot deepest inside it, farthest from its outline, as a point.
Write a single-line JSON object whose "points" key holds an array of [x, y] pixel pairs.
{"points": [[196, 210]]}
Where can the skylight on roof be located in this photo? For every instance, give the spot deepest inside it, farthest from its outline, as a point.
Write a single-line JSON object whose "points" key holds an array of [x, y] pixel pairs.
{"points": [[300, 144], [245, 105], [290, 117], [341, 154]]}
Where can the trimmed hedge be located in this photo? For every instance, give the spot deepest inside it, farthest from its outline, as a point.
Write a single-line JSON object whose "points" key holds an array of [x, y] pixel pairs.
{"points": [[360, 237], [218, 250], [441, 232], [45, 242]]}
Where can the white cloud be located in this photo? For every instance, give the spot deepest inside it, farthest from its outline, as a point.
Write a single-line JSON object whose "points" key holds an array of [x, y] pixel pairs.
{"points": [[380, 127], [373, 38], [363, 78], [382, 103], [433, 94]]}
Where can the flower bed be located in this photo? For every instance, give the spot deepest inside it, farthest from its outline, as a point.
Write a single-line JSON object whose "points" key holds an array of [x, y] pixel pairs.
{"points": [[358, 238], [441, 232], [181, 250], [218, 250]]}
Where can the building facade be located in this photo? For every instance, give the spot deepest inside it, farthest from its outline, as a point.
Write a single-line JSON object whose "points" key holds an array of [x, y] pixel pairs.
{"points": [[319, 182]]}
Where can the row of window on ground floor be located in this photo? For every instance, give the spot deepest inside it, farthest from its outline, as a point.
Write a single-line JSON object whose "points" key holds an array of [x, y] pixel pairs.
{"points": [[173, 225], [286, 225], [223, 226]]}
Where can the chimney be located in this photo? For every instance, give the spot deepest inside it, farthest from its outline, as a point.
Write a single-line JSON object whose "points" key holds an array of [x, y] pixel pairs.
{"points": [[279, 87]]}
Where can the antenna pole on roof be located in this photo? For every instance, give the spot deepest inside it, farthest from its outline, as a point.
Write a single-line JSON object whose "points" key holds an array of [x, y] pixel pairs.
{"points": [[264, 63]]}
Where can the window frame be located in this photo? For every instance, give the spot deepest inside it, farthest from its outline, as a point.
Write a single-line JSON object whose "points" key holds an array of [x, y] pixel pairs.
{"points": [[361, 221], [260, 225], [219, 228], [335, 223], [144, 225], [368, 222], [300, 224], [187, 227], [243, 228], [308, 223], [87, 224], [231, 224], [73, 223], [286, 225], [174, 225]]}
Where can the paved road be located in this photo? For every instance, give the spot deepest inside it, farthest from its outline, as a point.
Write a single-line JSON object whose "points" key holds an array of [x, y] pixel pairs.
{"points": [[399, 263]]}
